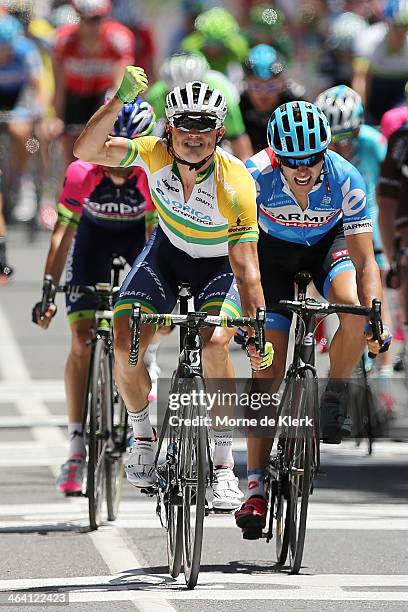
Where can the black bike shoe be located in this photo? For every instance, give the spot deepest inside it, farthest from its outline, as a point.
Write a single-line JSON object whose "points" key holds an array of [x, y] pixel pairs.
{"points": [[334, 423]]}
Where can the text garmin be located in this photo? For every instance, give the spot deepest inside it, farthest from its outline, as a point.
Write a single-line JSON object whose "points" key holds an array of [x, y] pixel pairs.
{"points": [[301, 218]]}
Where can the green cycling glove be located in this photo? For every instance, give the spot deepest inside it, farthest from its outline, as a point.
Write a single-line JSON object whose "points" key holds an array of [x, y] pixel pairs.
{"points": [[133, 83]]}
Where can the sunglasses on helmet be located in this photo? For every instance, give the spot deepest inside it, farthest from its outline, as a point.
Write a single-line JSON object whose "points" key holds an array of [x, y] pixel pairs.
{"points": [[296, 162], [201, 123]]}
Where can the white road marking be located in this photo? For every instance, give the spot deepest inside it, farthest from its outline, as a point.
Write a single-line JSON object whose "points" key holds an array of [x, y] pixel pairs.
{"points": [[152, 587], [112, 546]]}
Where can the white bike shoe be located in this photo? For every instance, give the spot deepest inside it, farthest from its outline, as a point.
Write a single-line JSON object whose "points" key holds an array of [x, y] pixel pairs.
{"points": [[139, 466], [227, 495]]}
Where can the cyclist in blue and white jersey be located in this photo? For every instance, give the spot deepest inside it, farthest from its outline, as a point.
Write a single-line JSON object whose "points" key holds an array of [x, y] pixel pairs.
{"points": [[20, 96], [365, 147], [313, 215]]}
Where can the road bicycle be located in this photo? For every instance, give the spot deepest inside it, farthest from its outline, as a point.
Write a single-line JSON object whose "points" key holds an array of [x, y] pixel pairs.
{"points": [[105, 415], [296, 462], [187, 470]]}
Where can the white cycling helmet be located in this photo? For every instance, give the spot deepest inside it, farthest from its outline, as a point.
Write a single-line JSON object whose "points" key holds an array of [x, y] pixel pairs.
{"points": [[197, 98], [63, 15], [182, 68], [92, 8], [343, 108]]}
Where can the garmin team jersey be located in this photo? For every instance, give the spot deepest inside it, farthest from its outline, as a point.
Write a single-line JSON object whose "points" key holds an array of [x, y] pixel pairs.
{"points": [[340, 194], [220, 210], [89, 190]]}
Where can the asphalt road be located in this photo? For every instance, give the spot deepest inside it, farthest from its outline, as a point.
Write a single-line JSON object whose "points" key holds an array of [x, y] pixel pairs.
{"points": [[355, 554]]}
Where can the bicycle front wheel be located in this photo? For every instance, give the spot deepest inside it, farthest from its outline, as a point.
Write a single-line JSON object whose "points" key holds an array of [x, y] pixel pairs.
{"points": [[99, 398], [300, 469], [296, 471], [114, 457], [172, 492], [193, 476]]}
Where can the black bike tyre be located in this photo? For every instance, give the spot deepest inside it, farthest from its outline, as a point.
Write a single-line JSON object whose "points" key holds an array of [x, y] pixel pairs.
{"points": [[194, 436], [282, 512], [174, 515], [282, 502], [297, 531], [114, 460], [97, 427]]}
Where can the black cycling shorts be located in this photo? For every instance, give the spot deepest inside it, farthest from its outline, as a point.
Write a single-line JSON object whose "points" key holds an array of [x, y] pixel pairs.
{"points": [[155, 277], [90, 257], [79, 109], [280, 261]]}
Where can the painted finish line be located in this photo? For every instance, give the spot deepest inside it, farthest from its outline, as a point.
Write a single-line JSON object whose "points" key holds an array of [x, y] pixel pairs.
{"points": [[221, 586]]}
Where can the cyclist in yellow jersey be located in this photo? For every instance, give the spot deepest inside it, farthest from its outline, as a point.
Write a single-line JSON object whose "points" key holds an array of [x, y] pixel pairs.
{"points": [[207, 233]]}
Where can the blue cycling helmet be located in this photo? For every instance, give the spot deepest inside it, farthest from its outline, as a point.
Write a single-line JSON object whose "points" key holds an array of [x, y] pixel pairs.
{"points": [[263, 62], [298, 128], [396, 12], [343, 108], [10, 29], [135, 119]]}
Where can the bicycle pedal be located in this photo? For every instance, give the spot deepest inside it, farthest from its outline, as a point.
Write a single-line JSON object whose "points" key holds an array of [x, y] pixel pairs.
{"points": [[252, 533]]}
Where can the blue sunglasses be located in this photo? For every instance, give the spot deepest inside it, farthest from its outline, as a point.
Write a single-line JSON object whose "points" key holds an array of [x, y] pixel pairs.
{"points": [[296, 162]]}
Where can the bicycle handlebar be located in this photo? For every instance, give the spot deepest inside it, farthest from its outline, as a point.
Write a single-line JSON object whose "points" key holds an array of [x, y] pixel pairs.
{"points": [[311, 305], [49, 290], [193, 320]]}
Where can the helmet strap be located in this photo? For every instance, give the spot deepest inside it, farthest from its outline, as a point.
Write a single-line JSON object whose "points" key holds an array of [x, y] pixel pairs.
{"points": [[191, 166]]}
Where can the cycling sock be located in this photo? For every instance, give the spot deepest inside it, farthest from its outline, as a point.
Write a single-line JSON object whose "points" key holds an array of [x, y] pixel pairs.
{"points": [[76, 439], [223, 449], [151, 354], [405, 329], [385, 371], [141, 425], [256, 484]]}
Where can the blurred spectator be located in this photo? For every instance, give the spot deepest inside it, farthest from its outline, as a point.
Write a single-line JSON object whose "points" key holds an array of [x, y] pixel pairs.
{"points": [[190, 10], [218, 37], [129, 13], [337, 60], [20, 95], [181, 68], [381, 61], [267, 25], [89, 58], [266, 88]]}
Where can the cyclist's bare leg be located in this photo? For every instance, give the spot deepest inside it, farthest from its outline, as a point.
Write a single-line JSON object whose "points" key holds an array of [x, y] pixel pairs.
{"points": [[77, 368], [134, 385], [218, 365], [133, 382], [259, 448], [217, 362], [348, 342], [20, 133]]}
